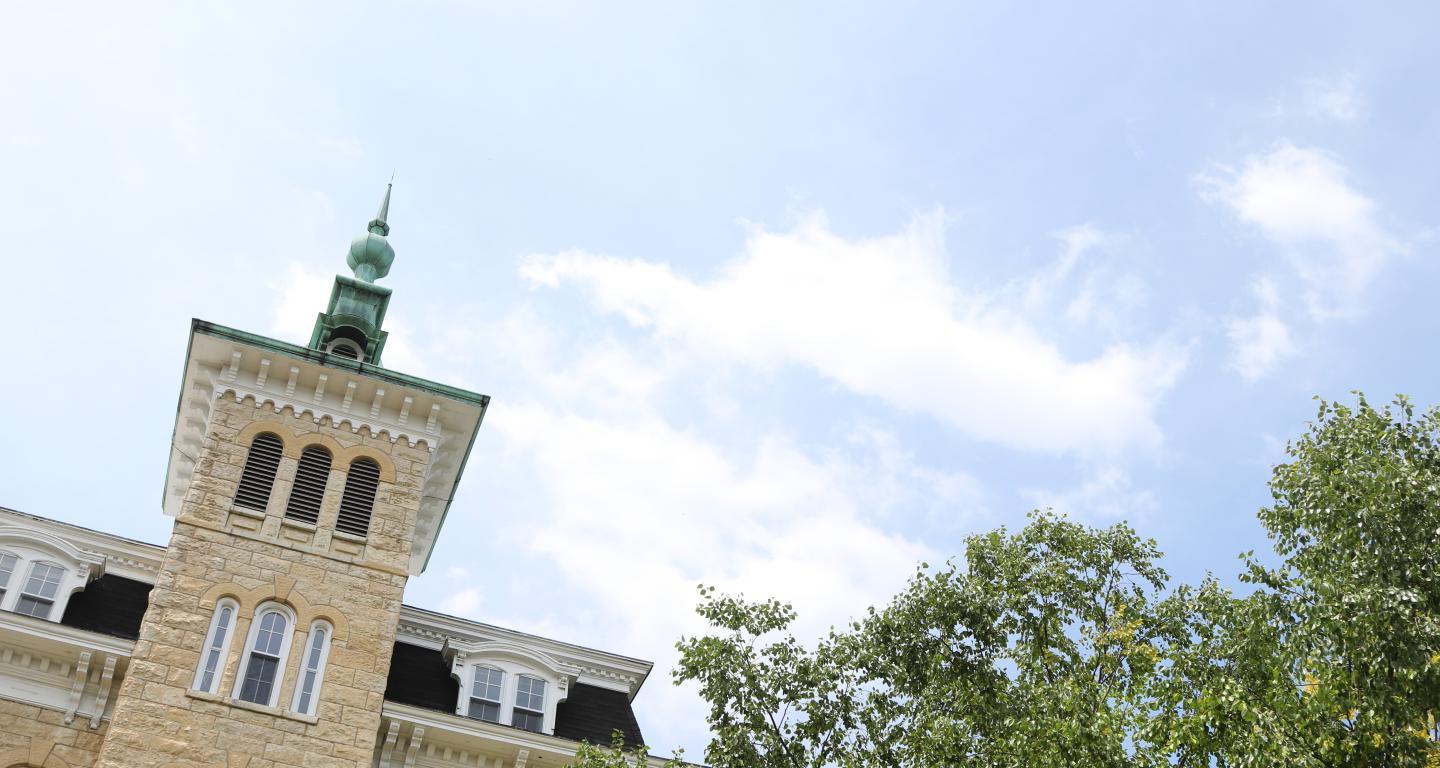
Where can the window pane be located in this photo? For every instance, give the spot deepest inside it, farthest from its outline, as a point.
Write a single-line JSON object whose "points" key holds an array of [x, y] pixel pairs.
{"points": [[259, 679], [488, 711], [271, 634], [31, 606], [487, 684], [7, 567], [44, 580], [530, 721], [309, 686], [530, 693]]}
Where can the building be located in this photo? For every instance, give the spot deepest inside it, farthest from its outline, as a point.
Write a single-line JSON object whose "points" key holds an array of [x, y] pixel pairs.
{"points": [[307, 484]]}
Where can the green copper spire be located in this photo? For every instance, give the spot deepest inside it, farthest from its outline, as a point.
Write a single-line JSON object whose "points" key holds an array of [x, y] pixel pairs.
{"points": [[351, 326], [370, 254]]}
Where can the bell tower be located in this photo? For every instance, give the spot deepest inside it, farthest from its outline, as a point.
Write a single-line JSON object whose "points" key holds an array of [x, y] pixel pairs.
{"points": [[307, 483]]}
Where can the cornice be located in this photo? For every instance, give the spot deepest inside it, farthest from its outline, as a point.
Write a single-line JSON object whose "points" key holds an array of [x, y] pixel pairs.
{"points": [[587, 665]]}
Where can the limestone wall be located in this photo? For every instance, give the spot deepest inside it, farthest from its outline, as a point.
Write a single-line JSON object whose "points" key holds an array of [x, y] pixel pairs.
{"points": [[32, 736], [216, 552]]}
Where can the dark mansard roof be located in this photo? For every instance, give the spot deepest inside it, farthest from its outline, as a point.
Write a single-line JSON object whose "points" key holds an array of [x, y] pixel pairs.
{"points": [[110, 605], [421, 678]]}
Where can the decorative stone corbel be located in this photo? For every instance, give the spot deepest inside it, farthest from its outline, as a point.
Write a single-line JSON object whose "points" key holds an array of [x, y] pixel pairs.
{"points": [[522, 758], [102, 700], [82, 670], [417, 737], [390, 736]]}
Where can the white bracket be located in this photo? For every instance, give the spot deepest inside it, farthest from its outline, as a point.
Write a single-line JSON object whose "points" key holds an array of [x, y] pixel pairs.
{"points": [[417, 735], [107, 678], [82, 670]]}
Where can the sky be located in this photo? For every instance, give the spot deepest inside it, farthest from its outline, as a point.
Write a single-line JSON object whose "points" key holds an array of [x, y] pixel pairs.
{"points": [[781, 298]]}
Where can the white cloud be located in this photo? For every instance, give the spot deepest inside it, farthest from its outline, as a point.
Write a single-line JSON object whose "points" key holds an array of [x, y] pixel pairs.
{"points": [[1263, 339], [636, 512], [466, 602], [883, 318], [1107, 494], [1300, 198], [301, 295], [1336, 99]]}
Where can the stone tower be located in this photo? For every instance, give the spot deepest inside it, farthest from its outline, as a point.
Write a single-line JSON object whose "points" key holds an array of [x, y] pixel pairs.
{"points": [[307, 484]]}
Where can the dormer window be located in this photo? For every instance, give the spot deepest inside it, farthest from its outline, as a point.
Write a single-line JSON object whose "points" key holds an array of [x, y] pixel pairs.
{"points": [[529, 704], [38, 595], [510, 685], [39, 572], [485, 695]]}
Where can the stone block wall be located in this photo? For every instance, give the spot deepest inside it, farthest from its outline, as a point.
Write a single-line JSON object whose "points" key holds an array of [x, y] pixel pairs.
{"points": [[34, 736], [217, 551]]}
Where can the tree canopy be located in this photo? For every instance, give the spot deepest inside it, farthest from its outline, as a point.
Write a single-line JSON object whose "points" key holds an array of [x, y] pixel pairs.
{"points": [[1062, 644]]}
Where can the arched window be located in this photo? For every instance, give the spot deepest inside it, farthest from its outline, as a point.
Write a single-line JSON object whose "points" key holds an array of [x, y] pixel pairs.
{"points": [[217, 646], [529, 703], [485, 694], [258, 476], [309, 489], [358, 501], [37, 596], [263, 663], [312, 670], [7, 567]]}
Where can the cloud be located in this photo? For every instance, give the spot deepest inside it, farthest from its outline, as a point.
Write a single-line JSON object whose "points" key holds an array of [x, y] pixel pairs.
{"points": [[634, 512], [1106, 495], [1300, 198], [1261, 340], [1335, 99], [883, 318], [300, 296]]}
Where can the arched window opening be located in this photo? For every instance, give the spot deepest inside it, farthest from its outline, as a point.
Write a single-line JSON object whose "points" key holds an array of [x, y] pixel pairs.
{"points": [[264, 657], [358, 501], [485, 694], [529, 703], [309, 489], [7, 567], [258, 476], [312, 673], [217, 643], [345, 349], [37, 597]]}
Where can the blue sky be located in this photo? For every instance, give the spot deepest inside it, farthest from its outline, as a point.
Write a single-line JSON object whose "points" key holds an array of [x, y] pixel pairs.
{"points": [[784, 298]]}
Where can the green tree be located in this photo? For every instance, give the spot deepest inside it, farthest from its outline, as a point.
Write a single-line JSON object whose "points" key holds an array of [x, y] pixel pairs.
{"points": [[1064, 645]]}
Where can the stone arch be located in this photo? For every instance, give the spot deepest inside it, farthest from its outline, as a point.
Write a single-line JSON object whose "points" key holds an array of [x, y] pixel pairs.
{"points": [[387, 467], [301, 442], [40, 754], [282, 591], [247, 434]]}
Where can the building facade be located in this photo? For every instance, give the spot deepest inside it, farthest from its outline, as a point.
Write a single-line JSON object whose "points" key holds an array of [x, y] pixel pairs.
{"points": [[307, 484]]}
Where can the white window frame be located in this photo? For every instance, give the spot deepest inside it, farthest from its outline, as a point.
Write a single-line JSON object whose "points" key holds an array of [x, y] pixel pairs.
{"points": [[50, 601], [499, 701], [224, 650], [31, 546], [305, 652], [251, 636], [546, 688], [5, 587], [512, 666]]}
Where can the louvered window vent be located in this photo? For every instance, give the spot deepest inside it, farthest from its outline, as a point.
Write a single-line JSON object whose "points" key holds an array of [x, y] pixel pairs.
{"points": [[358, 501], [309, 489], [259, 475]]}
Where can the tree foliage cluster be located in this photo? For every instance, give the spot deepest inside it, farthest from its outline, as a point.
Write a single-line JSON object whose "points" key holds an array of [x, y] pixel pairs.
{"points": [[1066, 645]]}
